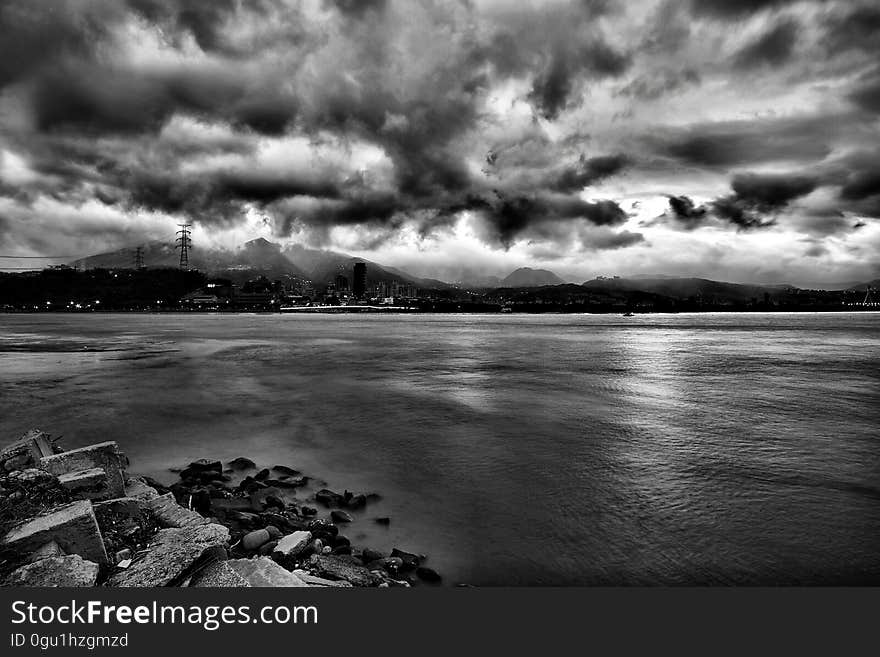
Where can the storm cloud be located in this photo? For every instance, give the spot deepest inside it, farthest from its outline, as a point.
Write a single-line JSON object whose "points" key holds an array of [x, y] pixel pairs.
{"points": [[559, 127]]}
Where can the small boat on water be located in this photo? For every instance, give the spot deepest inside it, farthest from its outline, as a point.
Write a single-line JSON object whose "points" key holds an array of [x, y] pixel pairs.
{"points": [[627, 314]]}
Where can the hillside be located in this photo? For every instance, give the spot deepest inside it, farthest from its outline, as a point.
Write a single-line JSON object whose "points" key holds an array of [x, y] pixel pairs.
{"points": [[687, 288], [528, 277]]}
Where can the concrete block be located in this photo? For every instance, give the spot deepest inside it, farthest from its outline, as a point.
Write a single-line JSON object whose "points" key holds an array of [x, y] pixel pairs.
{"points": [[64, 571], [218, 575], [139, 489], [263, 572], [86, 484], [103, 455], [313, 580], [73, 526], [26, 452], [170, 556], [168, 513]]}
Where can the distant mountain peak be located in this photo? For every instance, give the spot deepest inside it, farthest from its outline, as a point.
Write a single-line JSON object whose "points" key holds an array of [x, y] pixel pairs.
{"points": [[528, 277]]}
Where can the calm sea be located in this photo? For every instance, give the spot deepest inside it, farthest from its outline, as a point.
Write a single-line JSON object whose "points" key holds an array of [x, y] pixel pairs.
{"points": [[552, 449]]}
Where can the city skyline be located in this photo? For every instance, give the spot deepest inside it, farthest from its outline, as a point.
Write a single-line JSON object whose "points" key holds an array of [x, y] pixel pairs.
{"points": [[735, 141]]}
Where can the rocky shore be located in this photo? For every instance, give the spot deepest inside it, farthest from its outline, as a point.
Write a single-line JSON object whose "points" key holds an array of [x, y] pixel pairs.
{"points": [[79, 518]]}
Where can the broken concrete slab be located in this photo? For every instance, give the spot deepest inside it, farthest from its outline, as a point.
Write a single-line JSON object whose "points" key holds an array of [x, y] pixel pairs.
{"points": [[66, 570], [73, 526], [168, 513], [344, 567], [263, 572], [313, 580], [218, 575], [50, 549], [102, 455], [27, 451], [86, 484], [170, 555]]}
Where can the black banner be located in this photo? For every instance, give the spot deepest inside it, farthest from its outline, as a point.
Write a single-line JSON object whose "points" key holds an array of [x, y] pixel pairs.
{"points": [[399, 621]]}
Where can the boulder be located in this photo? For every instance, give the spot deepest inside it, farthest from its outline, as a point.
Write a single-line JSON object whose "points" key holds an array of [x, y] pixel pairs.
{"points": [[205, 465], [340, 516], [369, 555], [72, 526], [171, 556], [291, 548], [328, 498], [309, 511], [253, 540], [410, 561], [428, 574], [69, 570], [105, 456], [357, 502], [344, 567], [263, 572], [242, 463], [274, 532], [283, 469], [262, 475]]}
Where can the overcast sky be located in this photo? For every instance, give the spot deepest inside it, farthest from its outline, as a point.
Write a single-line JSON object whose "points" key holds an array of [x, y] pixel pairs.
{"points": [[736, 140]]}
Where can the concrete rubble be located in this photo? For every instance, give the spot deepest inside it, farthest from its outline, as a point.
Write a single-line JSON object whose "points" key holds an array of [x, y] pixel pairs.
{"points": [[77, 518]]}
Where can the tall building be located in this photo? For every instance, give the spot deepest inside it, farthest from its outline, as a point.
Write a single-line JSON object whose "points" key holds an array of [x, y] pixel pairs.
{"points": [[359, 284], [341, 283]]}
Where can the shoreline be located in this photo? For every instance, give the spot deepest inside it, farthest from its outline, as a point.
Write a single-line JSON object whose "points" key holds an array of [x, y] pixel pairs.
{"points": [[78, 518]]}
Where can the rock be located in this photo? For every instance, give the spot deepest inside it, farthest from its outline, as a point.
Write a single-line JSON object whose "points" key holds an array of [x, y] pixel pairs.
{"points": [[410, 561], [20, 462], [428, 574], [369, 555], [309, 511], [273, 501], [27, 451], [345, 568], [206, 465], [168, 513], [274, 532], [262, 475], [73, 526], [242, 463], [172, 554], [122, 555], [291, 548], [326, 550], [357, 502], [313, 580], [266, 549], [317, 546], [342, 549], [382, 521], [339, 539], [201, 501], [393, 565], [141, 488], [69, 570], [218, 575], [328, 498], [105, 456], [50, 549], [290, 482], [283, 469], [253, 540], [318, 525], [264, 572], [340, 516]]}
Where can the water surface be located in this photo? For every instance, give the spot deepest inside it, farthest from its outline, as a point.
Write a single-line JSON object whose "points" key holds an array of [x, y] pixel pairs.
{"points": [[550, 449]]}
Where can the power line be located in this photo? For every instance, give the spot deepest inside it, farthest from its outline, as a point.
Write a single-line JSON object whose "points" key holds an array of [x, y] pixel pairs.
{"points": [[33, 257]]}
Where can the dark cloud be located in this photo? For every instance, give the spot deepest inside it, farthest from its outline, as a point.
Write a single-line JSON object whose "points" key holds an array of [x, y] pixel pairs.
{"points": [[737, 9], [853, 29], [769, 192], [356, 8], [772, 48], [554, 87], [609, 240], [588, 171], [729, 143], [866, 95], [686, 212], [203, 20]]}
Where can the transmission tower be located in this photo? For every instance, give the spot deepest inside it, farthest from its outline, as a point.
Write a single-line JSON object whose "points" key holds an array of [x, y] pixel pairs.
{"points": [[139, 258], [184, 243], [869, 301]]}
